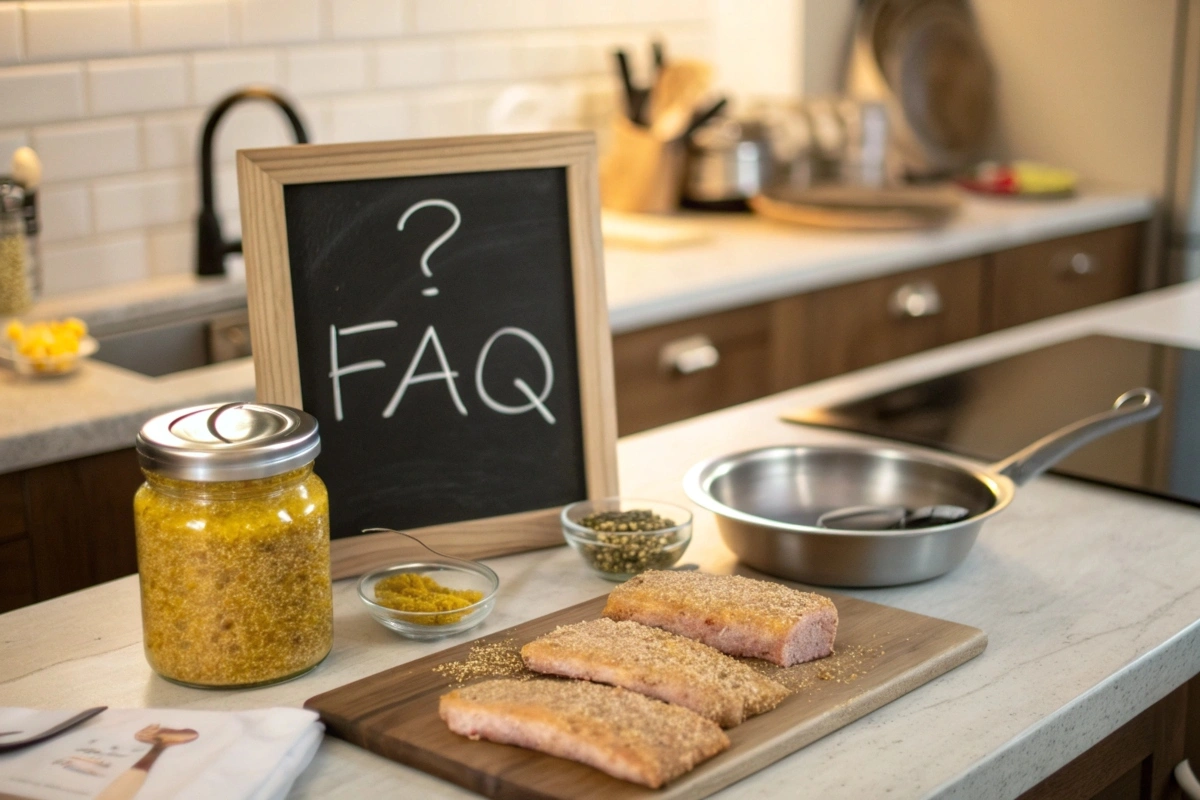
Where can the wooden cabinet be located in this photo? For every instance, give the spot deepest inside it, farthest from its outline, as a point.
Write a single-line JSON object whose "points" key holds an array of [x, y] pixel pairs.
{"points": [[686, 368], [1135, 762], [860, 324], [16, 565], [1047, 278], [676, 371], [66, 526]]}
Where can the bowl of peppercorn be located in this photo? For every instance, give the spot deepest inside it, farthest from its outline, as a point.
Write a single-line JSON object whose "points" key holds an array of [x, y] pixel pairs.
{"points": [[619, 537]]}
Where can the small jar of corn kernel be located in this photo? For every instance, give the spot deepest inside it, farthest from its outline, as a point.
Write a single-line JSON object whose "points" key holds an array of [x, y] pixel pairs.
{"points": [[233, 545]]}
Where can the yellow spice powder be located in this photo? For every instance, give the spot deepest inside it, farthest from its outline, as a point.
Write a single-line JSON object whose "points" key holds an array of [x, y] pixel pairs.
{"points": [[411, 592]]}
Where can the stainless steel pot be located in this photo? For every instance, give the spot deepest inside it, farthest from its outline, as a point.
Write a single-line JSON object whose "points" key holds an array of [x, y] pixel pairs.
{"points": [[728, 160], [767, 501]]}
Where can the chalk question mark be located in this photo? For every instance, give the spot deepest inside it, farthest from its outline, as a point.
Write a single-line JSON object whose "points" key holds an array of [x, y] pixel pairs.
{"points": [[438, 242]]}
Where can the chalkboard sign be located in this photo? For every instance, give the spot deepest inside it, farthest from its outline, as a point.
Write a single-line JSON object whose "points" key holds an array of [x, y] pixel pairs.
{"points": [[438, 305]]}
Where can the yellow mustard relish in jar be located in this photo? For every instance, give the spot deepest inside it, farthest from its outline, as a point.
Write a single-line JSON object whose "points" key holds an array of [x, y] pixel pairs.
{"points": [[233, 545]]}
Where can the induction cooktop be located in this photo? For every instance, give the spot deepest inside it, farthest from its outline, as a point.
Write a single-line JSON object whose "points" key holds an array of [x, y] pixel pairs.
{"points": [[993, 410]]}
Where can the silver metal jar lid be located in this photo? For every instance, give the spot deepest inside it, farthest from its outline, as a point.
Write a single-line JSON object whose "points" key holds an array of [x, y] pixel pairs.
{"points": [[228, 442]]}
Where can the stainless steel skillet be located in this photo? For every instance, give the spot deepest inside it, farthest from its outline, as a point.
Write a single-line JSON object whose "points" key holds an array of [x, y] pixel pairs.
{"points": [[767, 501]]}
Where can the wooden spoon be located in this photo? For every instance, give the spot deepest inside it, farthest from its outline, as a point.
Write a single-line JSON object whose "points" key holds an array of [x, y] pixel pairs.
{"points": [[127, 784], [680, 87]]}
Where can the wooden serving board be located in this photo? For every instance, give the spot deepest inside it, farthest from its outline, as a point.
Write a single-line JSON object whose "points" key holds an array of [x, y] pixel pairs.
{"points": [[881, 653]]}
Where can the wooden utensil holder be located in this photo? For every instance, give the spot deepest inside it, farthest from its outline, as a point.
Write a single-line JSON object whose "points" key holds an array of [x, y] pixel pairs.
{"points": [[641, 173]]}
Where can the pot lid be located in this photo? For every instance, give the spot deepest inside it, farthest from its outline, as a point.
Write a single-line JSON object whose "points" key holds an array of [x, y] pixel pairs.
{"points": [[228, 442]]}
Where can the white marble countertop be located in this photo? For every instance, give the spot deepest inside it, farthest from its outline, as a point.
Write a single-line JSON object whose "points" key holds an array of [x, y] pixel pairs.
{"points": [[752, 260], [1090, 598], [747, 260]]}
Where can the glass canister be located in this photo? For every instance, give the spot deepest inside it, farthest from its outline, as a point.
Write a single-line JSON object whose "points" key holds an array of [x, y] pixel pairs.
{"points": [[16, 265], [233, 545]]}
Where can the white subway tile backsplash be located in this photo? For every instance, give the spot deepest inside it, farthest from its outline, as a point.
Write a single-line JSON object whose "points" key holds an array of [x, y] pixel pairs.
{"points": [[689, 10], [41, 93], [484, 59], [65, 212], [171, 140], [279, 21], [325, 69], [317, 115], [11, 39], [9, 142], [101, 262], [442, 16], [255, 124], [125, 85], [372, 117], [691, 44], [87, 149], [549, 55], [226, 196], [63, 29], [182, 24], [525, 14], [148, 199], [418, 63], [215, 75], [368, 19], [172, 249], [112, 93], [445, 113], [597, 12]]}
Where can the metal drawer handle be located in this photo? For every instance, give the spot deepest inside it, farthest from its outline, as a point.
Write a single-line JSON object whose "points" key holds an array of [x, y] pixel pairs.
{"points": [[1078, 264], [915, 300], [689, 355], [1187, 780]]}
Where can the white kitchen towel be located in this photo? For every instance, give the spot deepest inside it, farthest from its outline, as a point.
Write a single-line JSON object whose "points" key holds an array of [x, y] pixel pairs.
{"points": [[192, 755]]}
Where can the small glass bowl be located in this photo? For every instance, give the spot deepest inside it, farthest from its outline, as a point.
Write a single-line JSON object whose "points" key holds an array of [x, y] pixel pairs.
{"points": [[53, 366], [618, 556], [453, 574]]}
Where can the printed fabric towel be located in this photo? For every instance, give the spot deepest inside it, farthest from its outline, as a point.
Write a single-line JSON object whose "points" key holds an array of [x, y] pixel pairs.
{"points": [[155, 754]]}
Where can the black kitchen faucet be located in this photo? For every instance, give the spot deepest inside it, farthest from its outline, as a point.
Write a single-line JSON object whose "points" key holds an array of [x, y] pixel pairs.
{"points": [[211, 247]]}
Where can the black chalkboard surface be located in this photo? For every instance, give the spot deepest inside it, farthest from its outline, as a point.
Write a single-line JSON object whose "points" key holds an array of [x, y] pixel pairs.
{"points": [[422, 386], [442, 318]]}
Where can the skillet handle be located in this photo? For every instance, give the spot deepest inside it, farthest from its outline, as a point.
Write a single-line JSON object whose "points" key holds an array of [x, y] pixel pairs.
{"points": [[1136, 405]]}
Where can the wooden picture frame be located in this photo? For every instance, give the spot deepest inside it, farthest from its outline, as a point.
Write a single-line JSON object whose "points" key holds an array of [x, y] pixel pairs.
{"points": [[263, 175]]}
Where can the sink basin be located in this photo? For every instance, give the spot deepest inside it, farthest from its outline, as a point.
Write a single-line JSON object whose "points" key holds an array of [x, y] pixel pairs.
{"points": [[187, 344]]}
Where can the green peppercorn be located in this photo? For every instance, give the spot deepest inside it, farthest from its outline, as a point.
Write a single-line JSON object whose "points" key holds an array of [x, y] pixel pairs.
{"points": [[622, 546]]}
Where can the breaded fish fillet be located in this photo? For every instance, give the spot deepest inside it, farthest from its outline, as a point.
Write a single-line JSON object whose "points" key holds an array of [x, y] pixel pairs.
{"points": [[623, 733], [736, 615], [658, 664]]}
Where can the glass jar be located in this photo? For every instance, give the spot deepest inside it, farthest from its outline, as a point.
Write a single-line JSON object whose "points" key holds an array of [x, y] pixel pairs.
{"points": [[233, 545], [16, 263]]}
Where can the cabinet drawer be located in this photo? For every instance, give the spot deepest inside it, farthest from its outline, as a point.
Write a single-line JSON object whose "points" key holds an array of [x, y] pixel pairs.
{"points": [[1047, 278], [12, 506], [687, 368], [16, 575], [855, 326]]}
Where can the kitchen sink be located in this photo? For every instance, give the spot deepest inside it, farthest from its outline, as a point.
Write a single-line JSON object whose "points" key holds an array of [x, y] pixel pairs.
{"points": [[176, 346]]}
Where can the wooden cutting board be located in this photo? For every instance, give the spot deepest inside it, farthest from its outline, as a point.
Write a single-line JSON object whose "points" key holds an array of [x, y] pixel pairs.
{"points": [[880, 654]]}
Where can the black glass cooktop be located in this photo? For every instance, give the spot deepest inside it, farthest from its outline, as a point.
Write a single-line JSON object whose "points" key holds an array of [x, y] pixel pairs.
{"points": [[993, 410]]}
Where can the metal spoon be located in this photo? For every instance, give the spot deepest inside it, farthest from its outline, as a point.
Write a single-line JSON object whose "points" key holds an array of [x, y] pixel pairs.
{"points": [[888, 518], [423, 544]]}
